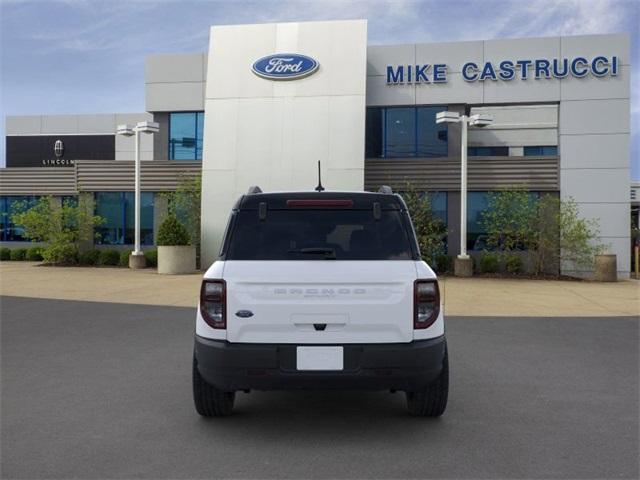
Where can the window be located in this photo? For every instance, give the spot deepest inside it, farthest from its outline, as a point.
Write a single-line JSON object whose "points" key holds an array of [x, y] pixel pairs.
{"points": [[405, 132], [541, 151], [185, 135], [314, 234], [117, 209], [10, 232], [488, 151]]}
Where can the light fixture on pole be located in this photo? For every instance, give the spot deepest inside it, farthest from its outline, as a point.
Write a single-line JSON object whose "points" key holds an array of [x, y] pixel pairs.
{"points": [[463, 264], [136, 259]]}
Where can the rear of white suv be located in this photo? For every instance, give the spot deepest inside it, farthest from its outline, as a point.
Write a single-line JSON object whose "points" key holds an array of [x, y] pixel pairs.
{"points": [[317, 290]]}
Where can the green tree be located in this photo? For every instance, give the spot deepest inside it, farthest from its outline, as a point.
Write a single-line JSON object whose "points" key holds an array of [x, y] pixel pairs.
{"points": [[61, 227], [430, 230], [185, 203], [508, 219]]}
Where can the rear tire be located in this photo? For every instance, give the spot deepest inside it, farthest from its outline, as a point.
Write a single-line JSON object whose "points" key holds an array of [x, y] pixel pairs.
{"points": [[209, 401], [432, 401]]}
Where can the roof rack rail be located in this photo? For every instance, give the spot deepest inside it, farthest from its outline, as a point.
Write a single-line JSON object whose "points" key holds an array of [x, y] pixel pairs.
{"points": [[254, 189], [386, 189]]}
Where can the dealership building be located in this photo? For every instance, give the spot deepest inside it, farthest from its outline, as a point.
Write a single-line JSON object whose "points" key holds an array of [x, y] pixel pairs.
{"points": [[267, 101]]}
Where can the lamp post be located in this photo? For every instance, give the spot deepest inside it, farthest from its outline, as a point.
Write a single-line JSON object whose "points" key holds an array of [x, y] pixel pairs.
{"points": [[136, 259], [463, 264]]}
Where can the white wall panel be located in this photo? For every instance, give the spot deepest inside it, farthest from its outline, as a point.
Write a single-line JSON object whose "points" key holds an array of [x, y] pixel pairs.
{"points": [[591, 87], [174, 97], [455, 90], [590, 46], [379, 56], [594, 116], [595, 151], [270, 133], [602, 185], [453, 54]]}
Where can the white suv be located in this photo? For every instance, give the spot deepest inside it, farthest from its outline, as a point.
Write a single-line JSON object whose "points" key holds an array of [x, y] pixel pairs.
{"points": [[320, 290]]}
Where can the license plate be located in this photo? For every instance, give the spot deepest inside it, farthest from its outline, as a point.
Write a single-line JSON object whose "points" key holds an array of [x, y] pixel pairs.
{"points": [[320, 358]]}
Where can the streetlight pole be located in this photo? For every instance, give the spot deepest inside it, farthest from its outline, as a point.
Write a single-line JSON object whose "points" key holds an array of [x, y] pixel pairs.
{"points": [[136, 259], [463, 264], [463, 190]]}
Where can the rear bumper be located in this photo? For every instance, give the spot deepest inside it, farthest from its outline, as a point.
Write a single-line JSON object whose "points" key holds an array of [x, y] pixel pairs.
{"points": [[396, 366]]}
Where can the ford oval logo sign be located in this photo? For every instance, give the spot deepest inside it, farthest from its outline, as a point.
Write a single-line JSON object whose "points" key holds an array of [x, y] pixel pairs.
{"points": [[285, 66]]}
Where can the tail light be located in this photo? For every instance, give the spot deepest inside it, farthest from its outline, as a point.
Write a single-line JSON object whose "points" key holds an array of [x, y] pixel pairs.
{"points": [[426, 303], [213, 303]]}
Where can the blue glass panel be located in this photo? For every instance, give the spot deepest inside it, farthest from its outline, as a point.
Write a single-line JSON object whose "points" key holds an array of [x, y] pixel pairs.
{"points": [[9, 206], [109, 206], [146, 218], [488, 151], [432, 137], [400, 131], [185, 135], [538, 151], [199, 134], [477, 203]]}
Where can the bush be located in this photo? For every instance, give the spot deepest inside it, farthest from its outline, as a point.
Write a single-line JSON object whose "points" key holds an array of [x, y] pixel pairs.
{"points": [[109, 257], [172, 232], [34, 254], [90, 257], [152, 258], [61, 254], [489, 263], [124, 258], [513, 263], [61, 227], [5, 253], [18, 254], [431, 231], [443, 263]]}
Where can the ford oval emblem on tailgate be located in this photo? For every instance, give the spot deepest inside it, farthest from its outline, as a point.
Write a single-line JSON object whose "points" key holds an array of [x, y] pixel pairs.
{"points": [[244, 313], [284, 66]]}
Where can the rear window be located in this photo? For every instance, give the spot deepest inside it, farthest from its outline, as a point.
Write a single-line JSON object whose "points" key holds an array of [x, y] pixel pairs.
{"points": [[319, 235]]}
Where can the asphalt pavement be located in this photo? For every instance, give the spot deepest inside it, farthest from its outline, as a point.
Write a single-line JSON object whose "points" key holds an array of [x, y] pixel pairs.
{"points": [[103, 390]]}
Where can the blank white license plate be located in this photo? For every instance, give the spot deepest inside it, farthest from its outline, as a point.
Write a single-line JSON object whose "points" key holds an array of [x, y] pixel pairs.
{"points": [[320, 358]]}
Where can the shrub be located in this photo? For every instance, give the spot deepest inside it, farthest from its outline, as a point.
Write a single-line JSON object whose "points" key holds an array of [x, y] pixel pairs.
{"points": [[18, 254], [172, 232], [34, 254], [152, 258], [109, 257], [443, 263], [489, 263], [90, 257], [513, 263], [60, 254], [431, 231], [124, 258], [5, 253], [61, 227]]}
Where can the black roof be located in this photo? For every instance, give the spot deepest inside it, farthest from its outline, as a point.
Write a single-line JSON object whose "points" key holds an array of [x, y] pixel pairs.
{"points": [[361, 200]]}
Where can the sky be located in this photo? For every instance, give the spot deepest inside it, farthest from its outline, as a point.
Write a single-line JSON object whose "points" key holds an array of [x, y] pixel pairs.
{"points": [[87, 56]]}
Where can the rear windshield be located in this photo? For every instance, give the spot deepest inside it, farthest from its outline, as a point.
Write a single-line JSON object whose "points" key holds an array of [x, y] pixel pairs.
{"points": [[319, 235]]}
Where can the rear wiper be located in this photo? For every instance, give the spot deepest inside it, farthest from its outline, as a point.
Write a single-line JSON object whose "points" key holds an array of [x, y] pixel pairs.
{"points": [[329, 253]]}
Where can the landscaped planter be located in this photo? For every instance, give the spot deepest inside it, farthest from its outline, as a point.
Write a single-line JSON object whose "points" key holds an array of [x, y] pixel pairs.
{"points": [[179, 259], [606, 269]]}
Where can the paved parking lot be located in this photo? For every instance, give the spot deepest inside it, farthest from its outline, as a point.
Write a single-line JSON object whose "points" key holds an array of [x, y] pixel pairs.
{"points": [[102, 390]]}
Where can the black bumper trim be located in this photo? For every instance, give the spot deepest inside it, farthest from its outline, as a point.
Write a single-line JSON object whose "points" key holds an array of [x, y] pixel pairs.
{"points": [[252, 366]]}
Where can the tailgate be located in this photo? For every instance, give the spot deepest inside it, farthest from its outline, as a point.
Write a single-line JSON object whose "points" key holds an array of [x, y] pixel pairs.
{"points": [[320, 302]]}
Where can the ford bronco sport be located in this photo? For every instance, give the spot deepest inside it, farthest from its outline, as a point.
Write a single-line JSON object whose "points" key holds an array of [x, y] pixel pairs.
{"points": [[320, 290]]}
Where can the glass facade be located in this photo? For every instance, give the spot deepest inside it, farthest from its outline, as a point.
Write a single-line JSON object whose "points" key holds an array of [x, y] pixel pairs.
{"points": [[10, 232], [488, 151], [185, 135], [405, 132], [541, 151], [117, 209]]}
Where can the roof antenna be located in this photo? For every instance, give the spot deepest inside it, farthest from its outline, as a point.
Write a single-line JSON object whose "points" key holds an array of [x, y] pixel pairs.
{"points": [[319, 188]]}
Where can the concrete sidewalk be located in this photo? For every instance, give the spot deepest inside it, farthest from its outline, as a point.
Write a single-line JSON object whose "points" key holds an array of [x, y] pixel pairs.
{"points": [[467, 297]]}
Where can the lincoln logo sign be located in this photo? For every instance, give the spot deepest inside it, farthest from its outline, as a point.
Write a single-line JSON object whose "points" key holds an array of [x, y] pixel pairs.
{"points": [[58, 148], [506, 70], [285, 66]]}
